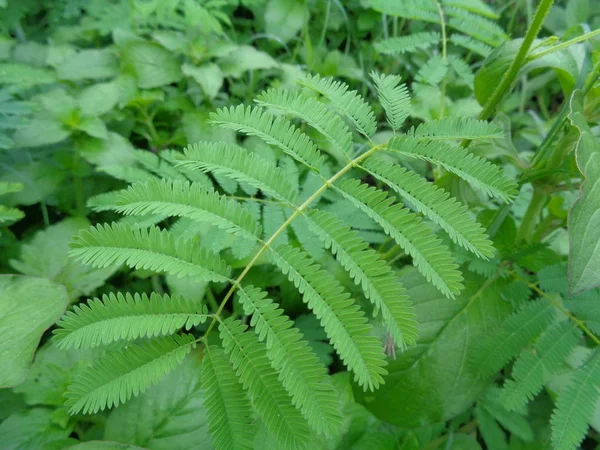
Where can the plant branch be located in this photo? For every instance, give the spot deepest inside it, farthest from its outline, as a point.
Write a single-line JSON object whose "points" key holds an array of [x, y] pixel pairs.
{"points": [[299, 211], [519, 60]]}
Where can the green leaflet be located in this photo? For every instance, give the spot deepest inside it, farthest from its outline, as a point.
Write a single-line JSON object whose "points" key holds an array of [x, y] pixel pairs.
{"points": [[478, 172], [152, 248], [430, 256], [314, 113], [116, 377], [189, 200], [227, 406], [576, 404], [344, 322], [584, 216], [269, 398], [299, 369], [127, 317], [369, 271]]}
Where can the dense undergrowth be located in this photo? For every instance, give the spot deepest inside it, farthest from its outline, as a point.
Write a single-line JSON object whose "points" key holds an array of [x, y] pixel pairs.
{"points": [[285, 224]]}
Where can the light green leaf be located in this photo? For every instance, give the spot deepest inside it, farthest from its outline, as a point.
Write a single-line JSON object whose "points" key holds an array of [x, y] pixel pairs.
{"points": [[245, 58], [94, 126], [152, 65], [89, 64], [208, 76], [103, 445], [25, 75], [584, 217], [40, 132], [98, 99], [28, 306], [33, 429], [46, 256], [284, 18]]}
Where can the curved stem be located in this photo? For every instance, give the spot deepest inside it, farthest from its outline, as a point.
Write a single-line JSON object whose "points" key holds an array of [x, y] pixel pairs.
{"points": [[299, 211], [582, 38], [519, 60]]}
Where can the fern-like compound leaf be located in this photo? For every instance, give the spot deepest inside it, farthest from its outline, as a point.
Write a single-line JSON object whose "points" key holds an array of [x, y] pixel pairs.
{"points": [[408, 9], [456, 128], [127, 317], [349, 103], [433, 71], [435, 203], [227, 407], [471, 44], [120, 375], [147, 248], [277, 131], [300, 370], [269, 398], [432, 258], [576, 404], [516, 332], [476, 171], [343, 321], [192, 201], [407, 44], [474, 6], [532, 369], [314, 113], [394, 98], [368, 270], [238, 164], [478, 27]]}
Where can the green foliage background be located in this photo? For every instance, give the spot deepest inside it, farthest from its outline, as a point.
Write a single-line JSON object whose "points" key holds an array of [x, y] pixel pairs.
{"points": [[324, 224]]}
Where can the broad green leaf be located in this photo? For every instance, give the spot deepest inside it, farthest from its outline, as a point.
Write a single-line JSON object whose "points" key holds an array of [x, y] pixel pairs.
{"points": [[493, 69], [41, 132], [584, 217], [284, 18], [46, 256], [28, 306], [432, 381], [89, 64], [152, 65], [208, 76], [25, 75], [169, 416], [39, 179], [99, 99], [33, 429], [245, 58], [93, 126]]}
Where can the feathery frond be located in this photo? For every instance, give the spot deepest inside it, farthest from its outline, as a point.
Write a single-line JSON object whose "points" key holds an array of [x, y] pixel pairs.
{"points": [[456, 128], [277, 131], [118, 376], [348, 103], [515, 333], [482, 29], [474, 6], [432, 258], [476, 171], [240, 165], [533, 367], [227, 407], [270, 400], [433, 71], [576, 404], [314, 113], [394, 98], [368, 270], [189, 200], [407, 44], [345, 324], [127, 317], [147, 248], [471, 44], [300, 371], [435, 203], [409, 9]]}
